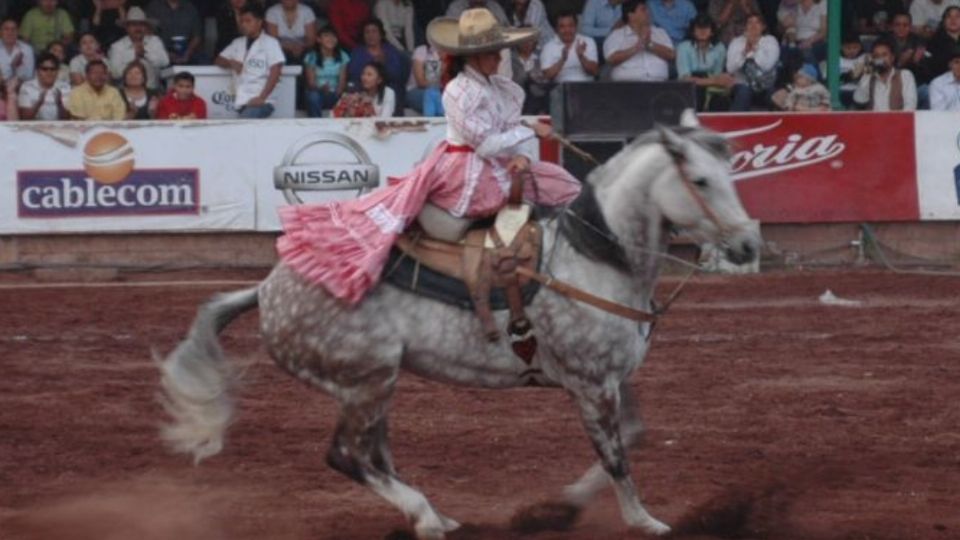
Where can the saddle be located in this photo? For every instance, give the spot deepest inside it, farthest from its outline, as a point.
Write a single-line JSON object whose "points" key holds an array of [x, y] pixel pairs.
{"points": [[488, 259]]}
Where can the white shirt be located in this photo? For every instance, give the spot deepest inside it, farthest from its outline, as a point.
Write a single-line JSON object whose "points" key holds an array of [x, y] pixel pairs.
{"points": [[572, 70], [766, 55], [881, 92], [536, 17], [296, 32], [78, 65], [643, 66], [808, 23], [926, 13], [263, 54], [154, 59], [25, 71], [386, 108], [432, 66], [30, 93], [397, 19], [945, 93]]}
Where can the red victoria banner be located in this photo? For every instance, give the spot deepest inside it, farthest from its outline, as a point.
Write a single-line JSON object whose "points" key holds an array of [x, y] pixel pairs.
{"points": [[831, 167]]}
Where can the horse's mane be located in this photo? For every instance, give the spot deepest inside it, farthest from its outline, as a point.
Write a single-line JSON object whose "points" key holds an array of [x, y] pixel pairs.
{"points": [[585, 228], [584, 225]]}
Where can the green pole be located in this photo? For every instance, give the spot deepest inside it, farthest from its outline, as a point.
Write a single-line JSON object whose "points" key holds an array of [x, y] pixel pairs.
{"points": [[833, 52]]}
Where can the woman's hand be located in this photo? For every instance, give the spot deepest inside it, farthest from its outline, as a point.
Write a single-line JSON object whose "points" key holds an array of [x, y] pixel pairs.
{"points": [[544, 131], [518, 164]]}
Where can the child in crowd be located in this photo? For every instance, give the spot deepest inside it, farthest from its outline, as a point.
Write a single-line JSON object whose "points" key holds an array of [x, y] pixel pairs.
{"points": [[375, 98], [325, 73], [853, 64], [89, 50], [57, 49], [807, 93], [181, 103]]}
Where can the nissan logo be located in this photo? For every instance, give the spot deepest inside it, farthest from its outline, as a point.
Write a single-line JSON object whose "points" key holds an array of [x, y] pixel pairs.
{"points": [[344, 166]]}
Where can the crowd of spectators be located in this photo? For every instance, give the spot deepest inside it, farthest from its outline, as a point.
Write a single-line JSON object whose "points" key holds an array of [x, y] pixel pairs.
{"points": [[102, 59]]}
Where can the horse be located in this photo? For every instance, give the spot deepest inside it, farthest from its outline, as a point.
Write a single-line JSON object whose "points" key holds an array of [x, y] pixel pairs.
{"points": [[609, 242]]}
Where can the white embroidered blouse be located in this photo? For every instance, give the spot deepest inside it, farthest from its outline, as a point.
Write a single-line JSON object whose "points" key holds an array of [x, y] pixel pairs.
{"points": [[484, 113]]}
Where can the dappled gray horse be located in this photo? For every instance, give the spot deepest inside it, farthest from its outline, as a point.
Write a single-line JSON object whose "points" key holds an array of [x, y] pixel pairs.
{"points": [[609, 243]]}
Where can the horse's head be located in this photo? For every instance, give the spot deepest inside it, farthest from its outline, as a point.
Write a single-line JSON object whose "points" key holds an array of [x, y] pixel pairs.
{"points": [[695, 193]]}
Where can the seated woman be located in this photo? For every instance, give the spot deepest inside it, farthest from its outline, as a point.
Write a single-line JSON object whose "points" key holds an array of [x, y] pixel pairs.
{"points": [[141, 101], [752, 60], [89, 50], [325, 73], [375, 98], [701, 59], [375, 48], [343, 246], [294, 25]]}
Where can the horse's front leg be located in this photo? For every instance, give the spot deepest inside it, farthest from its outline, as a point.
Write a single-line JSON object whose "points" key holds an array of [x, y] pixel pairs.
{"points": [[600, 411], [589, 485]]}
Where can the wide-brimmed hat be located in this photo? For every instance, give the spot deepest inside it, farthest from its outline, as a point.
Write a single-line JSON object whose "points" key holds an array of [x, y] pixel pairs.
{"points": [[476, 31], [136, 15]]}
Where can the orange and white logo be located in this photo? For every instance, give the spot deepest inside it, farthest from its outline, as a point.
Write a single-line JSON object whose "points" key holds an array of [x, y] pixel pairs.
{"points": [[108, 157]]}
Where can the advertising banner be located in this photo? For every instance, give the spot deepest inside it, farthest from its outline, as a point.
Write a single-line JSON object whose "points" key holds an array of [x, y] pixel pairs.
{"points": [[938, 164], [818, 168], [168, 176]]}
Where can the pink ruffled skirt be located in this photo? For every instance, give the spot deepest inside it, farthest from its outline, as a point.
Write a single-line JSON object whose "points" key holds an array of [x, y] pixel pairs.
{"points": [[343, 246]]}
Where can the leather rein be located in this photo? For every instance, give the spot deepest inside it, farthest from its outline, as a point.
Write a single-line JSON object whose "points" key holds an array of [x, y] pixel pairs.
{"points": [[603, 304]]}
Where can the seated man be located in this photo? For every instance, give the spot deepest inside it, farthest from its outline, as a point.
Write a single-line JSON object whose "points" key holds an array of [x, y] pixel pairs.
{"points": [[148, 49], [181, 103], [569, 57], [674, 16], [256, 59], [43, 98], [95, 99], [945, 89], [16, 56], [45, 24], [179, 26], [886, 88], [638, 51]]}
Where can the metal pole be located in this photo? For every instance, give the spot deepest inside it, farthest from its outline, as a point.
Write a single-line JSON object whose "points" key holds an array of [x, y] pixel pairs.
{"points": [[834, 12]]}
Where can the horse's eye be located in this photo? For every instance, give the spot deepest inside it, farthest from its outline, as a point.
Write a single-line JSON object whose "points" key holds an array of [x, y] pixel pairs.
{"points": [[700, 182]]}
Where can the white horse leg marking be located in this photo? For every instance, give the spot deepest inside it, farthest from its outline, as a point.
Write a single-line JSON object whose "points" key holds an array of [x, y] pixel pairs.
{"points": [[601, 418], [427, 522], [592, 482]]}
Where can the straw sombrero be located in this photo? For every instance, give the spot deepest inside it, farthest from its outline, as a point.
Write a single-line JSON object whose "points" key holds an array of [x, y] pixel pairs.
{"points": [[477, 31]]}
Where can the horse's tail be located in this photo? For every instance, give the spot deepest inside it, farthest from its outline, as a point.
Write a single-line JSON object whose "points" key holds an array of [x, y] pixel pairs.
{"points": [[196, 379]]}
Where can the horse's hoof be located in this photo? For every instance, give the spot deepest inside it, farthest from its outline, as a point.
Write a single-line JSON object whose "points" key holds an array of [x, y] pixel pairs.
{"points": [[449, 525], [655, 527]]}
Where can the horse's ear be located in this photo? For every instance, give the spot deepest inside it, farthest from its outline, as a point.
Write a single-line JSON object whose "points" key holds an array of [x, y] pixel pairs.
{"points": [[670, 140], [688, 119]]}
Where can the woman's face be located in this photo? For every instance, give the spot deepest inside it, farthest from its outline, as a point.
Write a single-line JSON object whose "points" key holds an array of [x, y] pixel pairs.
{"points": [[89, 45], [371, 35], [951, 22], [702, 33], [754, 28], [370, 79], [328, 40], [134, 79], [487, 63], [56, 49]]}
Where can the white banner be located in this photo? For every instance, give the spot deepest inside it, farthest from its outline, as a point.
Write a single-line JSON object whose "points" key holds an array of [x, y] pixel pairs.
{"points": [[938, 164], [168, 176]]}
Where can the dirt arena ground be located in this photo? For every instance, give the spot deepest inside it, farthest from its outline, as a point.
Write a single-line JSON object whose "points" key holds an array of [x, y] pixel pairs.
{"points": [[769, 416]]}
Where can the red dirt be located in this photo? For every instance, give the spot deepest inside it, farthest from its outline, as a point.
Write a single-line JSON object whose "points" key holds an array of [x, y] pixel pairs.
{"points": [[769, 416]]}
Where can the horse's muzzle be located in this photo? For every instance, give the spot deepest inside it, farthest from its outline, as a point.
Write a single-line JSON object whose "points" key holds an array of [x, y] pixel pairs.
{"points": [[743, 247]]}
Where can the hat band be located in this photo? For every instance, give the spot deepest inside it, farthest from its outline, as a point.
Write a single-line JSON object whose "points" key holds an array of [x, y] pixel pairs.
{"points": [[487, 37]]}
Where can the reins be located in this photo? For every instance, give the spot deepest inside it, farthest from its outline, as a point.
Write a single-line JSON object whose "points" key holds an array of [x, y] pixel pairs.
{"points": [[609, 306]]}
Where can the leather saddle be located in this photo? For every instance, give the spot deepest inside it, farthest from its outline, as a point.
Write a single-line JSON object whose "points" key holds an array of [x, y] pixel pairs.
{"points": [[486, 261]]}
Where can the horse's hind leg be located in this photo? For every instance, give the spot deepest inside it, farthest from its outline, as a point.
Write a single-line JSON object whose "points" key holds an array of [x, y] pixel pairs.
{"points": [[589, 485], [600, 411], [359, 450]]}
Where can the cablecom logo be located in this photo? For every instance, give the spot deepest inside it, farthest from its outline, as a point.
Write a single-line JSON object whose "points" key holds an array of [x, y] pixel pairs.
{"points": [[108, 185]]}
